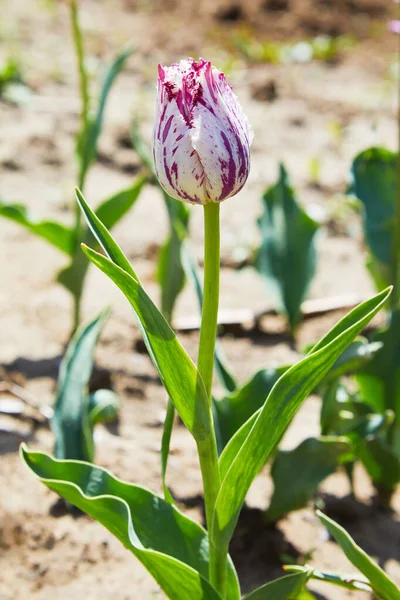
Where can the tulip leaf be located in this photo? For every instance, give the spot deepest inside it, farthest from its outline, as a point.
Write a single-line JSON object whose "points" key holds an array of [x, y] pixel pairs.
{"points": [[103, 237], [177, 371], [380, 461], [56, 234], [110, 211], [170, 273], [284, 588], [172, 547], [297, 473], [287, 256], [354, 358], [381, 584], [349, 582], [278, 410], [74, 415], [374, 182], [237, 407], [230, 451], [165, 445], [88, 138]]}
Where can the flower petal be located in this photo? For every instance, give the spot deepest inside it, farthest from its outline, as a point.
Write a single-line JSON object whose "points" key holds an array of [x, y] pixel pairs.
{"points": [[178, 168], [201, 139], [221, 135]]}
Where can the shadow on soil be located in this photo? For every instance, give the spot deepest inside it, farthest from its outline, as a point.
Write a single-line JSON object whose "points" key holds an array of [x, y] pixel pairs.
{"points": [[34, 368], [259, 550]]}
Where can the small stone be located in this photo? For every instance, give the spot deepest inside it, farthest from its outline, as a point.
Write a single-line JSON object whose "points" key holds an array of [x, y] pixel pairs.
{"points": [[276, 5], [265, 92], [232, 12]]}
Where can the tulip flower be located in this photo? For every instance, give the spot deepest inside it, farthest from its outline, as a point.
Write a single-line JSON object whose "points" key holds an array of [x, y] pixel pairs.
{"points": [[201, 138]]}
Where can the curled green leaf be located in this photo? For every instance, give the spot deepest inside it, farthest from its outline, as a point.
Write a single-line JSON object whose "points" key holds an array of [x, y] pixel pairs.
{"points": [[278, 410], [172, 547]]}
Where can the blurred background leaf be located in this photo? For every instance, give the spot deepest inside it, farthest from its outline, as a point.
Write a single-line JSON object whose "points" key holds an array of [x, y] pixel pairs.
{"points": [[297, 473], [75, 413], [286, 258]]}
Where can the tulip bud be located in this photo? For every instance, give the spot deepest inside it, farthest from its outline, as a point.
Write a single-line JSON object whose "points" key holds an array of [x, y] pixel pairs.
{"points": [[201, 138]]}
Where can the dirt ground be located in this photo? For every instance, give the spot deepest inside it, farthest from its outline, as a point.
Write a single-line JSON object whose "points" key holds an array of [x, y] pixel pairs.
{"points": [[317, 110]]}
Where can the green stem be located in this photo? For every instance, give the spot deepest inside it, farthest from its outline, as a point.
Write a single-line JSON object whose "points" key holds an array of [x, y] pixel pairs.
{"points": [[84, 93], [209, 314], [80, 55], [208, 458], [85, 100], [76, 313], [207, 448]]}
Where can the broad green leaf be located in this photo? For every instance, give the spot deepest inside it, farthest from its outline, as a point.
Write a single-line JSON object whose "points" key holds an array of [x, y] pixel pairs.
{"points": [[165, 444], [347, 414], [231, 450], [110, 211], [284, 588], [297, 473], [374, 182], [56, 234], [381, 462], [371, 391], [103, 407], [237, 407], [104, 237], [381, 584], [172, 547], [354, 358], [176, 370], [87, 140], [287, 256], [278, 410], [71, 423], [379, 380]]}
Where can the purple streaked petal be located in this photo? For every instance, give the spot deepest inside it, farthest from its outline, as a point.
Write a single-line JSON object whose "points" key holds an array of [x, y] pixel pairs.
{"points": [[222, 136], [201, 138], [178, 168]]}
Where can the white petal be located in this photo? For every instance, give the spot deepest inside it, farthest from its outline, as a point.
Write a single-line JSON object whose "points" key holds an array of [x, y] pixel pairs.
{"points": [[178, 168], [221, 137]]}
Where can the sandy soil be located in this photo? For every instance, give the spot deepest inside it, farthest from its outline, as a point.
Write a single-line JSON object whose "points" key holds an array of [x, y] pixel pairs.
{"points": [[320, 110]]}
